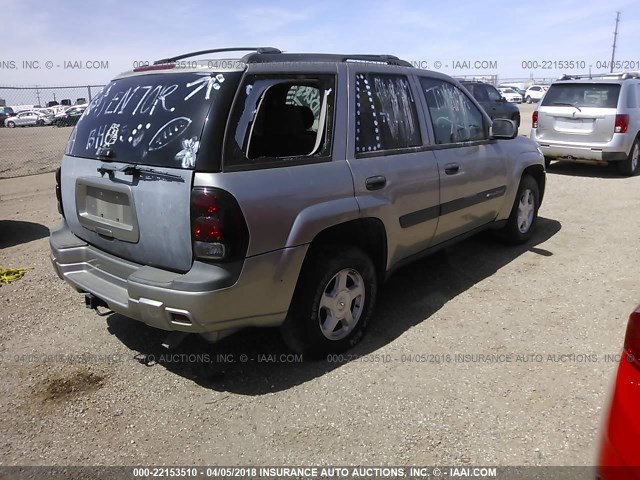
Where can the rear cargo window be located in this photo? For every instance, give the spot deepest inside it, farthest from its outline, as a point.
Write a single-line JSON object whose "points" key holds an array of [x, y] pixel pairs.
{"points": [[599, 95], [632, 101], [155, 119], [281, 121]]}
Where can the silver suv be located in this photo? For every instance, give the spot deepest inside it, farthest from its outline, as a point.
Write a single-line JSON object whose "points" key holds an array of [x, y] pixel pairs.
{"points": [[279, 190], [592, 119]]}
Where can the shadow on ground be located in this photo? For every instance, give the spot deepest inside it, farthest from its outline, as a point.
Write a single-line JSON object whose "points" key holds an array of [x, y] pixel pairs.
{"points": [[256, 361], [585, 170], [16, 232]]}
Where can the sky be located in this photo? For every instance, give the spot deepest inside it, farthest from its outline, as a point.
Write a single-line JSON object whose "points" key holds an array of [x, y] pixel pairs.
{"points": [[458, 38]]}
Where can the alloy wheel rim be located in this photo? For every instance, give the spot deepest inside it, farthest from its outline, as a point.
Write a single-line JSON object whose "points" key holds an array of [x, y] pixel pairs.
{"points": [[526, 209], [341, 304]]}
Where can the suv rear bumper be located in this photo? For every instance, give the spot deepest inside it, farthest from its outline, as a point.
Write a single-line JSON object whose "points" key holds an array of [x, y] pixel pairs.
{"points": [[208, 298], [615, 150]]}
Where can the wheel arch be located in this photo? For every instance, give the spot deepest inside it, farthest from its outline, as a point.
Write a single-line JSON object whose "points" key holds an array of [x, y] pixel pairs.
{"points": [[368, 234], [538, 174]]}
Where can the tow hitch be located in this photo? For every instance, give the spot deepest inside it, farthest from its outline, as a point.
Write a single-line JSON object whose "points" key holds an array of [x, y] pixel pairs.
{"points": [[93, 302]]}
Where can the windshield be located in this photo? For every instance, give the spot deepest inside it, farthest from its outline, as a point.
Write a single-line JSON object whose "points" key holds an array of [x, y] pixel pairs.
{"points": [[599, 95], [155, 119]]}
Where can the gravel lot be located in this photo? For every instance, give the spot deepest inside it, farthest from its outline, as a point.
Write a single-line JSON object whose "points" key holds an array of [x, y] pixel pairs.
{"points": [[30, 150], [76, 389]]}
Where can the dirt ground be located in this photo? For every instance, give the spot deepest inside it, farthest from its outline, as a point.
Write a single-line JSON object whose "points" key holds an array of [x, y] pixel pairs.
{"points": [[76, 387], [31, 150]]}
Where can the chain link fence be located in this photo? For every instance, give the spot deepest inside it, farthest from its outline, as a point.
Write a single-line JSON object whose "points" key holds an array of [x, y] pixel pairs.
{"points": [[33, 139], [35, 123]]}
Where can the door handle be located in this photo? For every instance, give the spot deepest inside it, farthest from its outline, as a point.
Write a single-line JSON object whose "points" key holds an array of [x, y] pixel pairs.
{"points": [[451, 168], [376, 183]]}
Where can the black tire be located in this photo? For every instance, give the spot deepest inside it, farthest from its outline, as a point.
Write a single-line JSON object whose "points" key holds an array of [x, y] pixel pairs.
{"points": [[547, 162], [528, 99], [512, 232], [39, 123], [11, 124], [516, 119], [302, 330], [631, 166]]}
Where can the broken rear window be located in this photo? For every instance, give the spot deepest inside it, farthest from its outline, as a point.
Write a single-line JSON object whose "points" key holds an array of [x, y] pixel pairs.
{"points": [[155, 119]]}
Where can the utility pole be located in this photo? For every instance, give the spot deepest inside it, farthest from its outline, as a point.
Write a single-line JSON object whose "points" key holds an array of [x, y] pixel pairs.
{"points": [[38, 94], [615, 38]]}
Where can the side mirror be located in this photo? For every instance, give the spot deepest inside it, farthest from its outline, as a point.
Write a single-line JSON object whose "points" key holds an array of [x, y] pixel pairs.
{"points": [[503, 128]]}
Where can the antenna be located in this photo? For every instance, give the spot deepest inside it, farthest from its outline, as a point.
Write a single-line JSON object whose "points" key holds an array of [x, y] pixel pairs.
{"points": [[615, 38]]}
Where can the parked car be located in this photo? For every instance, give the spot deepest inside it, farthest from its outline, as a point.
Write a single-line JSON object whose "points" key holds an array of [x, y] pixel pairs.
{"points": [[620, 449], [5, 112], [69, 117], [28, 118], [520, 91], [592, 119], [534, 93], [178, 206], [492, 101], [510, 95]]}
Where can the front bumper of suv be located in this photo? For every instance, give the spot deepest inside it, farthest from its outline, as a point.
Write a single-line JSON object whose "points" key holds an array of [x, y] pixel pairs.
{"points": [[207, 299]]}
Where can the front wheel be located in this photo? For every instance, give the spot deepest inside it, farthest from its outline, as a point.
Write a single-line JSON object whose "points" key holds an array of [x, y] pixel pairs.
{"points": [[11, 124], [629, 167], [529, 100], [524, 213], [332, 302]]}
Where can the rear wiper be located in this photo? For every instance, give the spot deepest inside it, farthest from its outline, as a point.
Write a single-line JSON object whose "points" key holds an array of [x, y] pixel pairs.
{"points": [[136, 170], [567, 105]]}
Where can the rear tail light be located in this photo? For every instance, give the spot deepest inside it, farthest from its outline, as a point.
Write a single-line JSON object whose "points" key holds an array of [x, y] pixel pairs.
{"points": [[622, 123], [632, 338], [534, 120], [59, 191], [218, 227]]}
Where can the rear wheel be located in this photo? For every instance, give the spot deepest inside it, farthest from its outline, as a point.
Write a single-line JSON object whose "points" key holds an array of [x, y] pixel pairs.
{"points": [[524, 213], [529, 99], [332, 302], [629, 167]]}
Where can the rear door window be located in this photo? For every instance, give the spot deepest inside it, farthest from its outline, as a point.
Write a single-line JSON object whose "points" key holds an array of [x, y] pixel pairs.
{"points": [[280, 121], [492, 93], [599, 95], [155, 119], [386, 117], [478, 91]]}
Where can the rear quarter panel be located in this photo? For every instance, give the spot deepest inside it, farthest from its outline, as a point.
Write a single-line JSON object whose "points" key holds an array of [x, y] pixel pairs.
{"points": [[286, 207]]}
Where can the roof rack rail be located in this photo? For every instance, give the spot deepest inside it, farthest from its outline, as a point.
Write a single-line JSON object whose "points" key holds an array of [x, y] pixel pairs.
{"points": [[323, 57], [388, 59], [620, 75], [260, 50]]}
